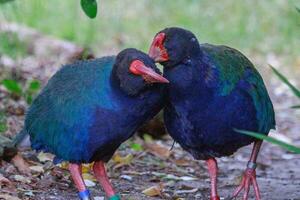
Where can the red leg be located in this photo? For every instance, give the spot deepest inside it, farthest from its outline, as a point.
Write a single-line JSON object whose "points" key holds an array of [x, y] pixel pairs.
{"points": [[249, 176], [75, 170], [213, 172], [100, 173]]}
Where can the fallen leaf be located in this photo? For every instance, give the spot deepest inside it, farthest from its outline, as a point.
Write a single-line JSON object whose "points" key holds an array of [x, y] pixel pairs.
{"points": [[21, 178], [187, 191], [29, 193], [158, 150], [63, 165], [37, 169], [8, 197], [187, 178], [126, 177], [173, 177], [86, 168], [159, 174], [182, 178], [57, 172], [126, 160], [136, 173], [44, 157], [182, 162], [148, 138], [21, 164], [88, 176], [89, 183], [4, 180], [154, 190]]}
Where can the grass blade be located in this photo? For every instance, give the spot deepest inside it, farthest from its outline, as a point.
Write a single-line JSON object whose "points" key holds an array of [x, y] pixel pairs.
{"points": [[298, 9], [286, 81], [89, 7], [272, 140]]}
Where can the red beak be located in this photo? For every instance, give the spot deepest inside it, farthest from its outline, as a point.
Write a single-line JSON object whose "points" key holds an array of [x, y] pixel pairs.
{"points": [[157, 50], [154, 53], [138, 68]]}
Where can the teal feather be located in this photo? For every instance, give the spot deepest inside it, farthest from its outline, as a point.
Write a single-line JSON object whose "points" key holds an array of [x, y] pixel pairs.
{"points": [[84, 90], [232, 70]]}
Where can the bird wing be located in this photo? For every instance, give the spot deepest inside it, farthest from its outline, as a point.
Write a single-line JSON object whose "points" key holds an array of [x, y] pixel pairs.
{"points": [[228, 70], [58, 119], [226, 67]]}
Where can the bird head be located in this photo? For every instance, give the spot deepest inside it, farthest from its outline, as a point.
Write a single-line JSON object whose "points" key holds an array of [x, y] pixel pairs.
{"points": [[136, 71], [173, 45]]}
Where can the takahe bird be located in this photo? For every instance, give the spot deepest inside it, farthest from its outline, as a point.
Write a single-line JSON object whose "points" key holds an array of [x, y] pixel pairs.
{"points": [[89, 108], [213, 90]]}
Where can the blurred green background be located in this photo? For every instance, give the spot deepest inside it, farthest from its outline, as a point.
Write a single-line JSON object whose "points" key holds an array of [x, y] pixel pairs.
{"points": [[250, 25]]}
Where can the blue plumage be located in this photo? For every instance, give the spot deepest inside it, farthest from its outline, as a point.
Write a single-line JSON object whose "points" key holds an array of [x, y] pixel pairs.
{"points": [[213, 89], [84, 113]]}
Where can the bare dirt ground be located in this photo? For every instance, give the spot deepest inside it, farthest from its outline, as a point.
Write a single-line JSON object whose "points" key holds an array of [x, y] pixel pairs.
{"points": [[166, 174]]}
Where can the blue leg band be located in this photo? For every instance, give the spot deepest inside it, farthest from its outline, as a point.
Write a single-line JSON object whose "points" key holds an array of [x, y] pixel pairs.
{"points": [[115, 197], [84, 195], [251, 165]]}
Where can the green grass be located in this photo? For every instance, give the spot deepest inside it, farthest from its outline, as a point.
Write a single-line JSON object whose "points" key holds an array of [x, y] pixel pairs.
{"points": [[272, 140], [252, 25], [293, 88]]}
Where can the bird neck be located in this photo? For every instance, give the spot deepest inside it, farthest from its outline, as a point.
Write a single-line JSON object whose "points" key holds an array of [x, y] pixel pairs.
{"points": [[114, 79], [187, 77]]}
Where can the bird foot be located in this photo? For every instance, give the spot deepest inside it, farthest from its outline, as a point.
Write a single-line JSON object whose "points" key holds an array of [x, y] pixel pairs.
{"points": [[249, 178], [215, 198]]}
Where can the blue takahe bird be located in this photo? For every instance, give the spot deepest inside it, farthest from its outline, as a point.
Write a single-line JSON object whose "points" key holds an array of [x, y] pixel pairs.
{"points": [[89, 108], [213, 90]]}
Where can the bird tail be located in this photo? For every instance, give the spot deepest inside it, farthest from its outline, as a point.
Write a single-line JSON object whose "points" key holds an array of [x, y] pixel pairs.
{"points": [[22, 140]]}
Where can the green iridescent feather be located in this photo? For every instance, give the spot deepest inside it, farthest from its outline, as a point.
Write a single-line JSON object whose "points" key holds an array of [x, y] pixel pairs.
{"points": [[232, 70]]}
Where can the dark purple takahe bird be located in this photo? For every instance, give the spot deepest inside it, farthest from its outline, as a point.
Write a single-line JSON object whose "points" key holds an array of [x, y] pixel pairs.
{"points": [[213, 90], [89, 108]]}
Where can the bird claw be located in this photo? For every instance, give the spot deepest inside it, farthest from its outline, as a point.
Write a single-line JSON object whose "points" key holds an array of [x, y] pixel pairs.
{"points": [[249, 178]]}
